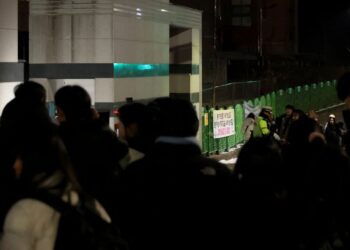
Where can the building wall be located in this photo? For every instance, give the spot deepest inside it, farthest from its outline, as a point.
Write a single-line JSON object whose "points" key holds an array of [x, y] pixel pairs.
{"points": [[8, 50]]}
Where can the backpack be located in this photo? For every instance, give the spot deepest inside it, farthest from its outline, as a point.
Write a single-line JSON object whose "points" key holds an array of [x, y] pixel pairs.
{"points": [[81, 227]]}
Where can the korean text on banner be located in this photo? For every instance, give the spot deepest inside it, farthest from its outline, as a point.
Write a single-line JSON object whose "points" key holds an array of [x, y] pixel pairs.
{"points": [[223, 123]]}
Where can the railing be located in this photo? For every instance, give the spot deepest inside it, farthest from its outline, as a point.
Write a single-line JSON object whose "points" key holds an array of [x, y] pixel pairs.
{"points": [[315, 96], [233, 92]]}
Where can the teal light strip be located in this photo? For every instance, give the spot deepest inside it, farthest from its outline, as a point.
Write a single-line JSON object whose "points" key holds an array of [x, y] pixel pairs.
{"points": [[124, 70]]}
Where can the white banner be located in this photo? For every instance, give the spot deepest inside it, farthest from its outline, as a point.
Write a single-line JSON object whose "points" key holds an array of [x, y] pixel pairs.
{"points": [[223, 123], [250, 109]]}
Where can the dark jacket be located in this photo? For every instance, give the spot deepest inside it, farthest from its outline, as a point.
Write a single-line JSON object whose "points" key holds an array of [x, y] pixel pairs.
{"points": [[95, 153], [175, 198]]}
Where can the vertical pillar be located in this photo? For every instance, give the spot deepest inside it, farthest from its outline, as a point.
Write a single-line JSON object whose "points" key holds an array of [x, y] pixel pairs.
{"points": [[10, 71], [185, 69]]}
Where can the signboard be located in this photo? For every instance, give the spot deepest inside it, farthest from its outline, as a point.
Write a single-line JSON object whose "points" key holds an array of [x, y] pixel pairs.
{"points": [[223, 123]]}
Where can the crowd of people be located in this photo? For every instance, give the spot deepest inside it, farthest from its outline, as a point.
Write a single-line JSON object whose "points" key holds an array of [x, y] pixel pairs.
{"points": [[290, 188]]}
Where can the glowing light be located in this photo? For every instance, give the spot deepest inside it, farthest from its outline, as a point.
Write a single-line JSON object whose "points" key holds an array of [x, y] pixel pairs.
{"points": [[138, 14], [163, 10], [138, 9], [145, 67]]}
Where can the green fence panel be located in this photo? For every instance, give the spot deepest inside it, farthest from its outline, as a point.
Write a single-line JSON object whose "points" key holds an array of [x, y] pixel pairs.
{"points": [[239, 119], [322, 95], [298, 98], [280, 102], [334, 92], [306, 97], [269, 102], [212, 147], [273, 102], [257, 102], [314, 103], [205, 131], [231, 140], [328, 98], [290, 99], [263, 101]]}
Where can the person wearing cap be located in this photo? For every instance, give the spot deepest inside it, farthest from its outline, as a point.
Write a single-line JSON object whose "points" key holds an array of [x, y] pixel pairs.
{"points": [[264, 122], [332, 131], [284, 121]]}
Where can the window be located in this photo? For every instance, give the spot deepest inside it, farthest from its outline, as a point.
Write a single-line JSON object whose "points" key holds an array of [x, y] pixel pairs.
{"points": [[241, 13]]}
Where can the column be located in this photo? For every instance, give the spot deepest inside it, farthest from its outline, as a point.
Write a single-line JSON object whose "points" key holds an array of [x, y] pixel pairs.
{"points": [[11, 73], [185, 68]]}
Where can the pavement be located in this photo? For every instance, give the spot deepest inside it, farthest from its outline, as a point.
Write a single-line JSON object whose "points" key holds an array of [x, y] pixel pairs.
{"points": [[230, 158]]}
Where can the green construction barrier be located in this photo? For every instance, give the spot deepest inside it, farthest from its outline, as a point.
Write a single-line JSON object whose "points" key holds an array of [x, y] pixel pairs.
{"points": [[280, 102], [306, 97], [257, 102], [298, 98], [321, 95], [329, 94], [314, 103], [289, 97], [231, 140], [263, 101], [269, 102], [212, 147], [205, 131], [334, 92], [273, 102], [239, 119]]}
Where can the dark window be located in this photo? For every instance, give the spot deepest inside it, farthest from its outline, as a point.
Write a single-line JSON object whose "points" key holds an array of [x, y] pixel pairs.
{"points": [[241, 13]]}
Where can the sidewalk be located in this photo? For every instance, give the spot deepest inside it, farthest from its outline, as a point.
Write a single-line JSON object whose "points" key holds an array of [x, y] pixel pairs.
{"points": [[228, 158]]}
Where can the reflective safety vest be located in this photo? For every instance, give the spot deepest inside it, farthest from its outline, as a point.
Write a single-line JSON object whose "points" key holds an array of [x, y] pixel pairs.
{"points": [[261, 128]]}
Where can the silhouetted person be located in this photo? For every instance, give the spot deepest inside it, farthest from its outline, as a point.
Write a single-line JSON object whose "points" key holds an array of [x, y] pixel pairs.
{"points": [[94, 149], [19, 116], [174, 197], [133, 129], [42, 166], [262, 216], [343, 92]]}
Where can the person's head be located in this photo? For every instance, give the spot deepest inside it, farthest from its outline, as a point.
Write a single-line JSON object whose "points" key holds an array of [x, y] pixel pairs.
{"points": [[297, 114], [30, 92], [343, 86], [73, 104], [133, 123], [289, 110], [173, 117], [331, 119], [259, 165], [266, 112], [313, 115], [38, 161]]}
